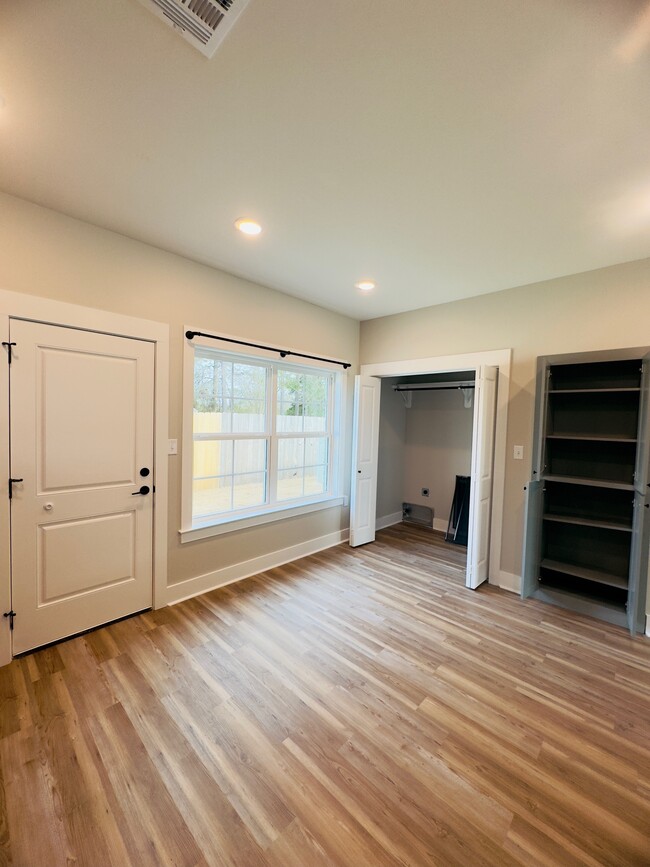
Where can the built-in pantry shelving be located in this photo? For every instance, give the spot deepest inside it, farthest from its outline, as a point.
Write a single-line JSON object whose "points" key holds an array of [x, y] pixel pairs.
{"points": [[586, 535]]}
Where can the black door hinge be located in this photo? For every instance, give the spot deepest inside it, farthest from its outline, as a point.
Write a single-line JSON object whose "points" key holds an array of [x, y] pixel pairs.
{"points": [[10, 614], [8, 345], [12, 482]]}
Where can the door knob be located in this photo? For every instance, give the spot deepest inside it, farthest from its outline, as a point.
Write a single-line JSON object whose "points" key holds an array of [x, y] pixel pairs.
{"points": [[48, 507], [144, 490]]}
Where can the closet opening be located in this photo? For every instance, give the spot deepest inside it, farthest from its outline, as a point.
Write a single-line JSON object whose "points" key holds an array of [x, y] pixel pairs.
{"points": [[491, 370], [425, 460], [486, 432]]}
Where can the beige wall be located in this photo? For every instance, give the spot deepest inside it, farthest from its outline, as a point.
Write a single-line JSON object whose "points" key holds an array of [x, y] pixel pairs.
{"points": [[438, 448], [50, 255], [608, 308]]}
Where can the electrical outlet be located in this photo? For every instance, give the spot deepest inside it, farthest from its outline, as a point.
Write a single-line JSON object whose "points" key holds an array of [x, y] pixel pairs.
{"points": [[424, 492], [172, 448], [518, 453]]}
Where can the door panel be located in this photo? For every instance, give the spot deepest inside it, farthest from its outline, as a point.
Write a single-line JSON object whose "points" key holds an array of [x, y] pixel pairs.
{"points": [[532, 537], [638, 575], [541, 418], [81, 430], [102, 549], [108, 385], [365, 447], [480, 502]]}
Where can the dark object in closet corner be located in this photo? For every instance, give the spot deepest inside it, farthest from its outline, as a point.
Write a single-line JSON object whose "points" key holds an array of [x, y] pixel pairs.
{"points": [[457, 530]]}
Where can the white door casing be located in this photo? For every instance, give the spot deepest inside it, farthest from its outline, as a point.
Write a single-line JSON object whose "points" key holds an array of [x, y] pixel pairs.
{"points": [[82, 428], [480, 500], [365, 449]]}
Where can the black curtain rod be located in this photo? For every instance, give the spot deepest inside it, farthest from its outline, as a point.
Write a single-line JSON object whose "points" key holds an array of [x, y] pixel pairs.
{"points": [[283, 352]]}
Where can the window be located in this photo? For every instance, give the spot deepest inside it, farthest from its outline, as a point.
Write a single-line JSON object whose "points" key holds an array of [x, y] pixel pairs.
{"points": [[262, 436]]}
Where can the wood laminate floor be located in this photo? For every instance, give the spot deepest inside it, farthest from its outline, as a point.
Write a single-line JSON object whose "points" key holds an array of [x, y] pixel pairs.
{"points": [[358, 707]]}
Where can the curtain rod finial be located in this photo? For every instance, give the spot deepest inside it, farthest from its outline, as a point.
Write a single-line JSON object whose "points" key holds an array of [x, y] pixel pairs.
{"points": [[189, 335]]}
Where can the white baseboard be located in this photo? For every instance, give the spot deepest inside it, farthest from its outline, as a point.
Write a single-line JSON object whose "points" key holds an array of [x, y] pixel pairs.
{"points": [[239, 571], [439, 524], [507, 581], [647, 625], [388, 520]]}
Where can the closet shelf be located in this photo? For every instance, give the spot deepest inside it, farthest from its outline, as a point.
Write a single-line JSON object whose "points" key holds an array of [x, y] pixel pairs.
{"points": [[600, 438], [588, 522], [595, 575], [592, 390], [594, 483]]}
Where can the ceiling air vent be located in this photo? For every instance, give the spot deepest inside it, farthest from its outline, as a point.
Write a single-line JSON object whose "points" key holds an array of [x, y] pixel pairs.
{"points": [[203, 23]]}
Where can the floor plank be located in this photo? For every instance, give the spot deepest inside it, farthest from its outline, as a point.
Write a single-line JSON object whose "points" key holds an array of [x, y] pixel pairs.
{"points": [[357, 708]]}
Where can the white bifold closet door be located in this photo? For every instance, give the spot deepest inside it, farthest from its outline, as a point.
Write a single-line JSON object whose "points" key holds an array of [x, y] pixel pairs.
{"points": [[365, 448], [480, 500]]}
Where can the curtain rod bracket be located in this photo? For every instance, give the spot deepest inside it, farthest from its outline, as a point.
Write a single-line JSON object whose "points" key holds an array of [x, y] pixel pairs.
{"points": [[283, 352]]}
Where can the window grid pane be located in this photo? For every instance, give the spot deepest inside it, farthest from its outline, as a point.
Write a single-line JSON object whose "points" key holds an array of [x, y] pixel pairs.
{"points": [[303, 465], [229, 475], [229, 397], [302, 400]]}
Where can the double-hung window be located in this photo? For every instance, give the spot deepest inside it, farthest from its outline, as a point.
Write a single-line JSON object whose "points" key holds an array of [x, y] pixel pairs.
{"points": [[263, 436]]}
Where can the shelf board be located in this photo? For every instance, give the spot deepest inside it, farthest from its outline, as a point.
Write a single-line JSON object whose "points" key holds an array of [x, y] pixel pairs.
{"points": [[594, 483], [592, 390], [599, 438], [595, 575], [588, 522]]}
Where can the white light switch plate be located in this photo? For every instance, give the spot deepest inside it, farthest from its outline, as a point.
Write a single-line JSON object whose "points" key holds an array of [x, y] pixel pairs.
{"points": [[172, 449], [518, 453]]}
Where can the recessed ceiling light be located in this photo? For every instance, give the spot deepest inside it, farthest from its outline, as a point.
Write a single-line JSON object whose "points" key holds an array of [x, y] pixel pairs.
{"points": [[248, 227], [365, 286]]}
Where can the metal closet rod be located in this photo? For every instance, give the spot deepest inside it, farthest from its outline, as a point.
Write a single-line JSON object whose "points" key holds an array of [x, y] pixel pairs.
{"points": [[442, 387], [283, 352]]}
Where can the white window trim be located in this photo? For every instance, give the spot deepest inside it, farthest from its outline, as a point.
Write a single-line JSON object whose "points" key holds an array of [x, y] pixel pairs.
{"points": [[193, 530]]}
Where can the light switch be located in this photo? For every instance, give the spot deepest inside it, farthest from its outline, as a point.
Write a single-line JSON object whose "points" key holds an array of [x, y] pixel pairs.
{"points": [[173, 447], [518, 453]]}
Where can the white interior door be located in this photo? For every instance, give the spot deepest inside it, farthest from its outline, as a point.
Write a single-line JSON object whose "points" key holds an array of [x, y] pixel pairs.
{"points": [[365, 447], [82, 446], [480, 499]]}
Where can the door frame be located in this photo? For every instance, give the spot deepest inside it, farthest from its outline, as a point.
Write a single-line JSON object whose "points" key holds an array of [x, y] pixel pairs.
{"points": [[502, 360], [14, 305]]}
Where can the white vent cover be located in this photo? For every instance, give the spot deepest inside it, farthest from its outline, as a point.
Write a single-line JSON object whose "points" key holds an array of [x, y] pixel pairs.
{"points": [[203, 23]]}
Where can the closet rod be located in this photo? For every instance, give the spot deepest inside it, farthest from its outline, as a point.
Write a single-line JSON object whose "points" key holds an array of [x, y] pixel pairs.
{"points": [[283, 352], [441, 387]]}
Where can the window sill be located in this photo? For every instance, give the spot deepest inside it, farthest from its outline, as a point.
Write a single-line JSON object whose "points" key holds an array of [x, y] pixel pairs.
{"points": [[231, 525]]}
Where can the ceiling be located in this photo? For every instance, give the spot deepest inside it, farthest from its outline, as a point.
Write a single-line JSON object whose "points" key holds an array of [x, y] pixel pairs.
{"points": [[443, 149]]}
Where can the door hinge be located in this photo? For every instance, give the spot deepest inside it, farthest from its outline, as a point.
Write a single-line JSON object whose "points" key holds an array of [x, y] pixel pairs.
{"points": [[10, 614], [12, 482], [8, 345]]}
